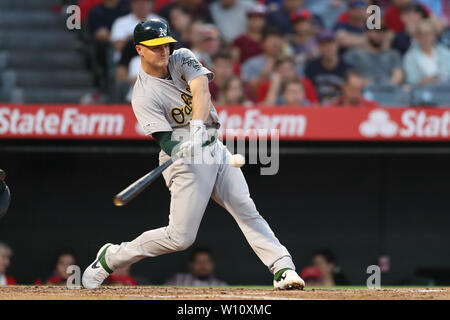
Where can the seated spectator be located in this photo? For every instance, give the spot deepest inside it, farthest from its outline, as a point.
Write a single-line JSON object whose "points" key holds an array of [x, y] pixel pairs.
{"points": [[5, 261], [86, 6], [392, 15], [180, 20], [303, 42], [201, 271], [123, 27], [249, 44], [325, 260], [194, 31], [230, 17], [270, 90], [427, 62], [350, 34], [121, 276], [410, 16], [280, 18], [100, 21], [292, 94], [223, 69], [374, 62], [198, 9], [64, 259], [257, 69], [232, 93], [208, 46], [352, 92], [440, 9], [328, 71], [326, 10], [101, 18], [312, 276]]}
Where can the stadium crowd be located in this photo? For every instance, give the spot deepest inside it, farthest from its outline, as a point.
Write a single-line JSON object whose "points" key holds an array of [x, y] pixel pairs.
{"points": [[324, 270], [291, 52]]}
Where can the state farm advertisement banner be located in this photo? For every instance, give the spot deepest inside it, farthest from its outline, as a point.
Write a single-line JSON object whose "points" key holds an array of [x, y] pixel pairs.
{"points": [[293, 123]]}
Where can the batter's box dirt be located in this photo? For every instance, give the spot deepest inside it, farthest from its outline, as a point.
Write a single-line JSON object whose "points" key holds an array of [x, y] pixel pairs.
{"points": [[169, 293]]}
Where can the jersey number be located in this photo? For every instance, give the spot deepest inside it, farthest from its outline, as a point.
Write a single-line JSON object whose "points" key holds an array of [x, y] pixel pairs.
{"points": [[178, 114]]}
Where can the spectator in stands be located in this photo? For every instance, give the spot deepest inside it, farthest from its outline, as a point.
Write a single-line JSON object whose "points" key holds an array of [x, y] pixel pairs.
{"points": [[201, 271], [249, 44], [352, 92], [326, 10], [64, 259], [180, 20], [198, 9], [223, 69], [427, 62], [101, 18], [99, 22], [350, 34], [303, 42], [374, 62], [326, 261], [440, 8], [292, 94], [123, 27], [280, 18], [270, 92], [410, 16], [232, 92], [86, 6], [393, 19], [312, 276], [230, 17], [209, 44], [257, 69], [5, 261], [194, 31], [328, 71], [121, 276]]}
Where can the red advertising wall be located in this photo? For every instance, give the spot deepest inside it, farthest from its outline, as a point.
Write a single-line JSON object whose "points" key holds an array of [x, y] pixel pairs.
{"points": [[293, 123]]}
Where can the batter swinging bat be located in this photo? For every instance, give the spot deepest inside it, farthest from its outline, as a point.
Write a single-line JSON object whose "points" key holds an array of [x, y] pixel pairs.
{"points": [[128, 194]]}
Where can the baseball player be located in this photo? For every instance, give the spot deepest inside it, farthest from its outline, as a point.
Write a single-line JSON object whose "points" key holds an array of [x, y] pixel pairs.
{"points": [[5, 195], [172, 103]]}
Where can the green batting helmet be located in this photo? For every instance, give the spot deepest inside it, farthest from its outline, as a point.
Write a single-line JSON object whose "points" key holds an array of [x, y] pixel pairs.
{"points": [[152, 32]]}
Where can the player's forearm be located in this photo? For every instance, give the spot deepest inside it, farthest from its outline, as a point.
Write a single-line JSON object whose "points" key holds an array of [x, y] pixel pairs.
{"points": [[201, 98], [164, 139], [202, 106]]}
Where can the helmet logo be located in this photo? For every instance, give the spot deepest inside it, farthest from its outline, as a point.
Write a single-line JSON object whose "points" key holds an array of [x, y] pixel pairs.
{"points": [[162, 32]]}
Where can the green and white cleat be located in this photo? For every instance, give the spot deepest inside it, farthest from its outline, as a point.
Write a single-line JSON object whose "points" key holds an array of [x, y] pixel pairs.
{"points": [[288, 279], [98, 271]]}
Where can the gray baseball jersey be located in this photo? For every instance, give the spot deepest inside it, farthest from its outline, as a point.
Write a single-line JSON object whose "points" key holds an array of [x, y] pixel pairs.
{"points": [[166, 104]]}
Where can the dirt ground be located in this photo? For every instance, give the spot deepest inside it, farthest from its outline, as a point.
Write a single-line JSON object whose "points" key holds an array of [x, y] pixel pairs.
{"points": [[169, 293]]}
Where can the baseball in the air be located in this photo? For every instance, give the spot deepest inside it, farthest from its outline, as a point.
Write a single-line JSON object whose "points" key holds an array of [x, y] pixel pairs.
{"points": [[237, 160]]}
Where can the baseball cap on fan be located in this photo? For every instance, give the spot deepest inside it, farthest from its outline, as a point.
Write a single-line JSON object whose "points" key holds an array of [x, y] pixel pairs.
{"points": [[301, 15], [326, 36], [356, 4], [256, 9]]}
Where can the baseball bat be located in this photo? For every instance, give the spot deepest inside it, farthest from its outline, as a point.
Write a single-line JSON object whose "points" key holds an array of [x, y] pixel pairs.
{"points": [[129, 193]]}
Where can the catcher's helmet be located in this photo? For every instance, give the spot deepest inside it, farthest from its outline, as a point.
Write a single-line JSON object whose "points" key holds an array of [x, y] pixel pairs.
{"points": [[152, 32]]}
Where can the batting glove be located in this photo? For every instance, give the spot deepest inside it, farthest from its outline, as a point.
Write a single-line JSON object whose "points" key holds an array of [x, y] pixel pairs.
{"points": [[198, 136]]}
